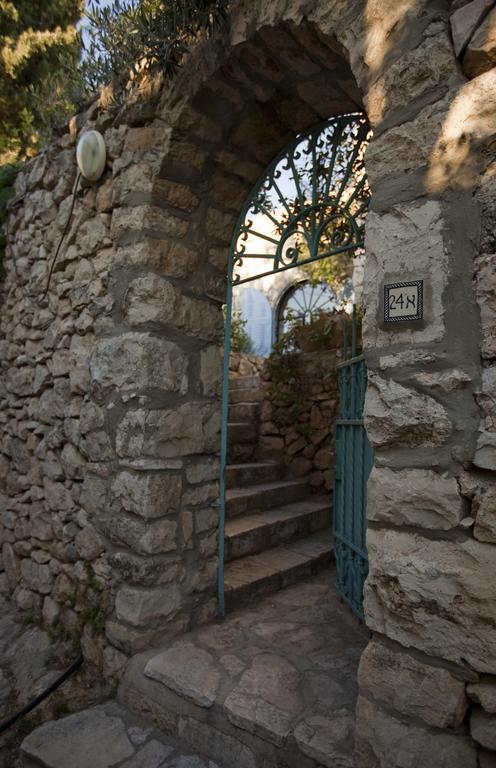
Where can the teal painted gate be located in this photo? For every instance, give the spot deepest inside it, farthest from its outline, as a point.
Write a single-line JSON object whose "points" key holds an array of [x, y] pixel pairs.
{"points": [[354, 459]]}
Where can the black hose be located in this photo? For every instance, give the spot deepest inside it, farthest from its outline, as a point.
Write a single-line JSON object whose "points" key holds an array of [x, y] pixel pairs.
{"points": [[69, 218], [42, 696]]}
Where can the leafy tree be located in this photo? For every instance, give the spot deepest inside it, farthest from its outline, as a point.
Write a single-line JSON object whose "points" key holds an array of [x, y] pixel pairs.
{"points": [[39, 45], [130, 38]]}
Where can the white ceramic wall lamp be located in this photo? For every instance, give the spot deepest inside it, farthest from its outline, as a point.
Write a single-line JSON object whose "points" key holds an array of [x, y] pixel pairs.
{"points": [[91, 155]]}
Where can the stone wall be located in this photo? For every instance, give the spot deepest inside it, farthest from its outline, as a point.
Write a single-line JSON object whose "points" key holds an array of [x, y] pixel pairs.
{"points": [[110, 389], [298, 419]]}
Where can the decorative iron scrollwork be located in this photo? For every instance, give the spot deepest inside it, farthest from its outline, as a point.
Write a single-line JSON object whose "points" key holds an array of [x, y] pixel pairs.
{"points": [[310, 203]]}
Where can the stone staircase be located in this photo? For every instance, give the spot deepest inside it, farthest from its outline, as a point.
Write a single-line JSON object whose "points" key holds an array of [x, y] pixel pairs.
{"points": [[261, 689], [277, 531]]}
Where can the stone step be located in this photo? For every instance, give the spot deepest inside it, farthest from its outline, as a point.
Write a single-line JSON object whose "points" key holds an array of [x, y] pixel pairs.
{"points": [[241, 432], [241, 475], [245, 395], [271, 687], [248, 578], [257, 498], [256, 533], [243, 382], [239, 453], [244, 412]]}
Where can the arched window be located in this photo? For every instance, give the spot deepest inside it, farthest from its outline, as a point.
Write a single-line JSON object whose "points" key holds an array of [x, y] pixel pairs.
{"points": [[303, 302]]}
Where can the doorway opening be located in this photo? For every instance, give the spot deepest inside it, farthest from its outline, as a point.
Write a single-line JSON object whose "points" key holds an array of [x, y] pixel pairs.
{"points": [[299, 235]]}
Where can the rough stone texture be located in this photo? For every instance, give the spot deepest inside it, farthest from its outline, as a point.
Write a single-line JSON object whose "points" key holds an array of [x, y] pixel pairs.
{"points": [[297, 422], [145, 258], [406, 241], [484, 511], [273, 683], [433, 595], [107, 736], [484, 693], [416, 497], [483, 729], [188, 670], [465, 20], [90, 738], [137, 361], [396, 415], [481, 49], [386, 741], [425, 692], [265, 700]]}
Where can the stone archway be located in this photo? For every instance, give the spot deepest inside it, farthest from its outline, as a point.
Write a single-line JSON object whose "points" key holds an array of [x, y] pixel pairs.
{"points": [[129, 400]]}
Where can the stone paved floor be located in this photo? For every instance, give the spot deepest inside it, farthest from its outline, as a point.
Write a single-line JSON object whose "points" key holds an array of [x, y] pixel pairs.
{"points": [[105, 736], [282, 671]]}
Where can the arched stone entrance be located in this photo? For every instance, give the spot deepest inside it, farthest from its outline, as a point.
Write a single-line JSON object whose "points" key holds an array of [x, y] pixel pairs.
{"points": [[129, 390]]}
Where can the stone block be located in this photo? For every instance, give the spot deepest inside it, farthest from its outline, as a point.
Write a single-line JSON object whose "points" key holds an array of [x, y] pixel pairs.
{"points": [[144, 537], [37, 576], [150, 218], [485, 452], [147, 495], [480, 55], [485, 277], [152, 299], [469, 120], [484, 693], [486, 397], [88, 543], [188, 429], [399, 416], [465, 20], [400, 682], [483, 728], [418, 72], [415, 497], [188, 670], [382, 741], [137, 361], [326, 738], [266, 700], [433, 595], [10, 565], [139, 607], [90, 737], [484, 512]]}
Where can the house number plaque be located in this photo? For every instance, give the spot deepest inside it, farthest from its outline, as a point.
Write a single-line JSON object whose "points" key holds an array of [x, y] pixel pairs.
{"points": [[404, 301]]}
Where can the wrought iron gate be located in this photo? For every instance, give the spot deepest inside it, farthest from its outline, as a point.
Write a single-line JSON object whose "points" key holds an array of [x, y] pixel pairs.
{"points": [[310, 204], [354, 460]]}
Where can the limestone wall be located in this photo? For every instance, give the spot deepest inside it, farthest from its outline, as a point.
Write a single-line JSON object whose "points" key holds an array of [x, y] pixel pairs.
{"points": [[298, 417], [110, 392]]}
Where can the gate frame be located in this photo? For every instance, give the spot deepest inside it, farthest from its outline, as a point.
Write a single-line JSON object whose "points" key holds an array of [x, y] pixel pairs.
{"points": [[237, 254]]}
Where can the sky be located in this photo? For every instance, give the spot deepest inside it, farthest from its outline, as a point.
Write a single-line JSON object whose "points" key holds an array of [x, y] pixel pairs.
{"points": [[83, 23]]}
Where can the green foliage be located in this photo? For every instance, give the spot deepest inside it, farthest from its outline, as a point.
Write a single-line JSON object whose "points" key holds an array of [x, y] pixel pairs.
{"points": [[334, 270], [39, 46], [31, 619], [240, 340], [132, 38]]}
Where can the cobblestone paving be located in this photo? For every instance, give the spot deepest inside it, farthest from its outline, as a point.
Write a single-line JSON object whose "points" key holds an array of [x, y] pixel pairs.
{"points": [[105, 736], [283, 671]]}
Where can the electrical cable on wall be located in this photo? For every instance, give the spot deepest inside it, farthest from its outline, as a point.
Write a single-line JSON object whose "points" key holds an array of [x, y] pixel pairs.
{"points": [[66, 228], [91, 158]]}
